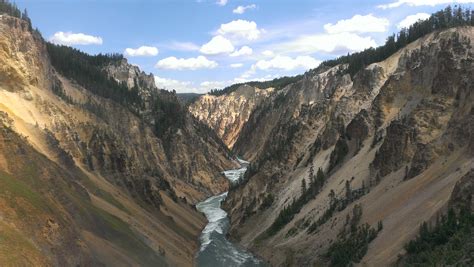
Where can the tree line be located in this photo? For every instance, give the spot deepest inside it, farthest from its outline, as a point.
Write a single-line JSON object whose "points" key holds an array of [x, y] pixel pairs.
{"points": [[164, 110], [443, 19], [278, 83], [447, 18], [352, 244], [338, 204], [11, 9], [308, 191], [449, 242]]}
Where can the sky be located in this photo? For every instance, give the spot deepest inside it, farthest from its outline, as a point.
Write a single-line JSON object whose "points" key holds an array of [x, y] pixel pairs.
{"points": [[199, 45]]}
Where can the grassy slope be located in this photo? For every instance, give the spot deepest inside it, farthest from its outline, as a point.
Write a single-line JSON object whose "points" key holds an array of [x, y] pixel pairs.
{"points": [[40, 191]]}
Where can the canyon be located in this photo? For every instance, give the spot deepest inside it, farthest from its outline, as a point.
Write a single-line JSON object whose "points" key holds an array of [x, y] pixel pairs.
{"points": [[354, 162], [397, 136], [86, 180]]}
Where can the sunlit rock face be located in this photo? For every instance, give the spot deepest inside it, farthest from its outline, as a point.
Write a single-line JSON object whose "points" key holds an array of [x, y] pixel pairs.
{"points": [[227, 114], [86, 180], [402, 127]]}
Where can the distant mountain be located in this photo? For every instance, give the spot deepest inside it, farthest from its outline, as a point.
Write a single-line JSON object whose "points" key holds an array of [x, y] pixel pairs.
{"points": [[228, 113], [187, 98]]}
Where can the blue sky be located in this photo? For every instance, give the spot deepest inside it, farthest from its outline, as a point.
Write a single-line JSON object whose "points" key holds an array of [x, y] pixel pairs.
{"points": [[198, 45]]}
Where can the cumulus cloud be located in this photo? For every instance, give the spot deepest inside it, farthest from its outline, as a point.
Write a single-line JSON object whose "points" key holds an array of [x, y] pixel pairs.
{"points": [[188, 86], [268, 53], [142, 51], [328, 43], [217, 45], [409, 20], [171, 84], [358, 23], [221, 2], [173, 63], [287, 63], [240, 29], [244, 78], [207, 85], [243, 51], [399, 3], [69, 38], [242, 9], [236, 65]]}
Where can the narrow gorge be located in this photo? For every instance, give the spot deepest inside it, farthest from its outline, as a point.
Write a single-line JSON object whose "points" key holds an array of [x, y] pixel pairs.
{"points": [[392, 140]]}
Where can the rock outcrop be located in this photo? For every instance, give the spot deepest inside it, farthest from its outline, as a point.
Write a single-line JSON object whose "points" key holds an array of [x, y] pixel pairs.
{"points": [[394, 138], [87, 180], [227, 114]]}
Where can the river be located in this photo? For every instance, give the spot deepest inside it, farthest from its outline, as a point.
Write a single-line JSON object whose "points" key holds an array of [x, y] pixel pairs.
{"points": [[216, 250]]}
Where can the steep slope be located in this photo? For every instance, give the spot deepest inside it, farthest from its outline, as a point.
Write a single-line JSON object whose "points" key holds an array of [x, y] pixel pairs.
{"points": [[393, 139], [226, 114], [89, 180]]}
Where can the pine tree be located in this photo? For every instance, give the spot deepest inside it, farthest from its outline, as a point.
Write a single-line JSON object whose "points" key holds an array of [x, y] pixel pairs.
{"points": [[303, 187], [311, 171], [348, 191], [332, 197], [320, 177]]}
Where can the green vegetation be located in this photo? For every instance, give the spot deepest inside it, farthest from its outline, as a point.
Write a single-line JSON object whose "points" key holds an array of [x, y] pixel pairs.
{"points": [[16, 249], [440, 20], [57, 88], [450, 242], [338, 154], [267, 201], [12, 9], [12, 188], [336, 204], [92, 188], [32, 192], [309, 192], [188, 98], [88, 71], [443, 19], [168, 113], [278, 83], [352, 246]]}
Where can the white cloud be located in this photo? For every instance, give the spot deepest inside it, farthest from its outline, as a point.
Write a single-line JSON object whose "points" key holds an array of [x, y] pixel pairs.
{"points": [[217, 45], [243, 51], [268, 53], [173, 63], [242, 9], [236, 65], [188, 86], [69, 38], [170, 84], [221, 2], [142, 51], [422, 3], [409, 20], [287, 63], [240, 29], [359, 23], [244, 78], [328, 43], [207, 85]]}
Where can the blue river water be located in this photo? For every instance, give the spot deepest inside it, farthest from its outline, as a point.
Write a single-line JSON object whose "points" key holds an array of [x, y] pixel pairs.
{"points": [[216, 250]]}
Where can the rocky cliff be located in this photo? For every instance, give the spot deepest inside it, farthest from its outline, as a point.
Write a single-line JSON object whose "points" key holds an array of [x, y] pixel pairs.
{"points": [[393, 139], [227, 114], [87, 179]]}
